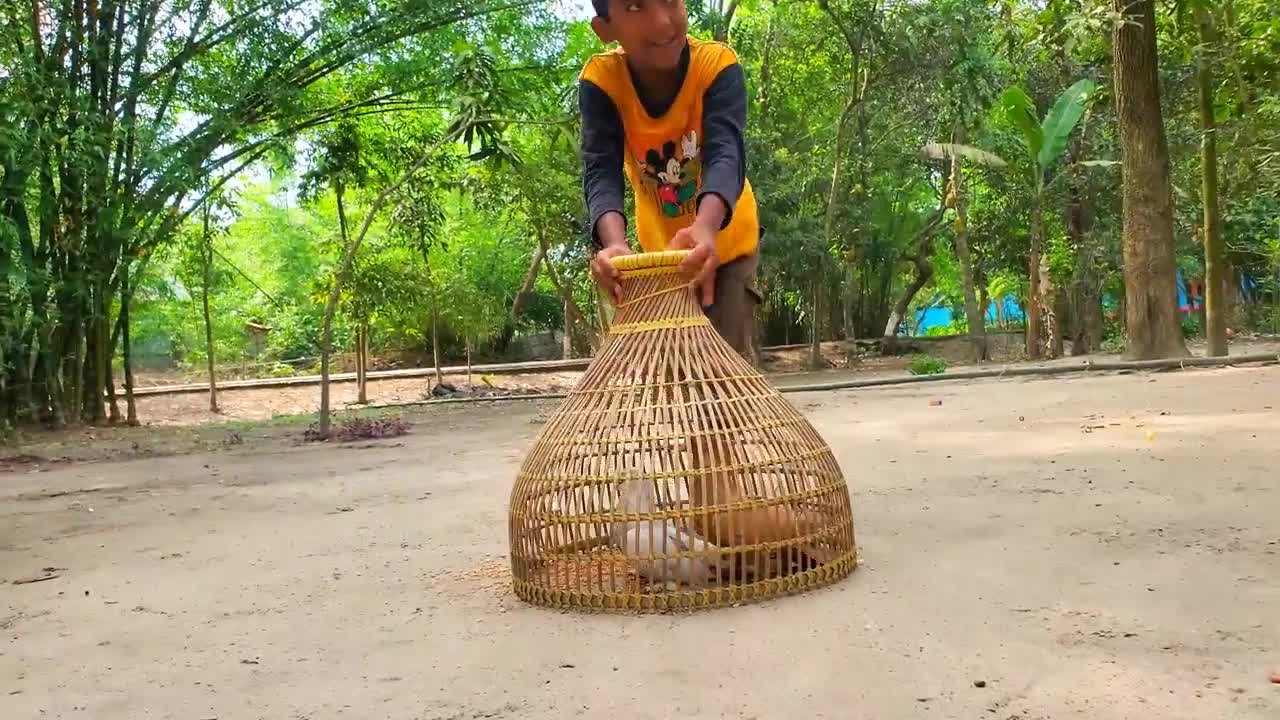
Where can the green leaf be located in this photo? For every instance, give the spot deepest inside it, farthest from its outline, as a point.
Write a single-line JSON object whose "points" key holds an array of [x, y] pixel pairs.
{"points": [[1062, 120], [1021, 111], [947, 151]]}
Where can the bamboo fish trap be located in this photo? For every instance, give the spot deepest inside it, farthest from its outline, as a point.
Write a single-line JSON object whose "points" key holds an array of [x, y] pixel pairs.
{"points": [[673, 475]]}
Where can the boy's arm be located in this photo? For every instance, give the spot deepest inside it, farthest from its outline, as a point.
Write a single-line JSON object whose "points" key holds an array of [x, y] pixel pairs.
{"points": [[602, 147], [724, 117]]}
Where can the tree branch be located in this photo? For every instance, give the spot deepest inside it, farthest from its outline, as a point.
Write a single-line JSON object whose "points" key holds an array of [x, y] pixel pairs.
{"points": [[245, 275], [192, 47]]}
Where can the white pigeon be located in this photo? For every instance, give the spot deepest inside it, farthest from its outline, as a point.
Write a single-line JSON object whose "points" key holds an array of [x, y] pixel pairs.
{"points": [[641, 540]]}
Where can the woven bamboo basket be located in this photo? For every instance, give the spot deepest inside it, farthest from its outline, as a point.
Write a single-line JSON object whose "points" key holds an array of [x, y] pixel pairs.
{"points": [[673, 475]]}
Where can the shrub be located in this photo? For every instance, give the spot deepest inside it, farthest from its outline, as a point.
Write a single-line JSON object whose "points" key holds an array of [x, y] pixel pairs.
{"points": [[928, 365]]}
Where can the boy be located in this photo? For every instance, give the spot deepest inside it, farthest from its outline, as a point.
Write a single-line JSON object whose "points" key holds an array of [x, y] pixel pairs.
{"points": [[670, 110]]}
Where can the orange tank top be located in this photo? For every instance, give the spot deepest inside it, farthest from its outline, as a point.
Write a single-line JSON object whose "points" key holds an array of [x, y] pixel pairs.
{"points": [[663, 159]]}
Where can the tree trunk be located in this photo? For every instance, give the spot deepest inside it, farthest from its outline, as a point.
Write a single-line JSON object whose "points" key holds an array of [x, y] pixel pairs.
{"points": [[1086, 316], [1231, 299], [816, 361], [348, 260], [112, 396], [1051, 302], [566, 342], [882, 295], [433, 302], [757, 342], [362, 395], [435, 342], [923, 245], [11, 363], [471, 388], [1044, 335], [849, 300], [109, 358], [522, 296], [1034, 314], [87, 379], [29, 373], [362, 363], [113, 401], [355, 347], [722, 32], [126, 350], [834, 199], [1154, 330], [100, 336], [1202, 315], [973, 315], [566, 295], [603, 312], [54, 387], [326, 332], [6, 393], [75, 400], [1215, 327], [1085, 290], [766, 70], [206, 263], [924, 273], [1275, 300], [1058, 314]]}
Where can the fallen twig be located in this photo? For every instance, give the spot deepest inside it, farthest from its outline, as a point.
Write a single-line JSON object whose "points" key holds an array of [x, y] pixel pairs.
{"points": [[36, 579]]}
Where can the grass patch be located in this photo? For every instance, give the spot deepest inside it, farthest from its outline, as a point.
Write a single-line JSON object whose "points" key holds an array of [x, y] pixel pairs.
{"points": [[928, 365], [291, 421]]}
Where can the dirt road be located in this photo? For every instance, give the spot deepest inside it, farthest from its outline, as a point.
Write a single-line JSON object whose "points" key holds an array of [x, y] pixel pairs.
{"points": [[1087, 547]]}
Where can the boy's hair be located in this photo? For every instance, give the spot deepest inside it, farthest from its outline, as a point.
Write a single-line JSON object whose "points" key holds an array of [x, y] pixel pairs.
{"points": [[601, 8]]}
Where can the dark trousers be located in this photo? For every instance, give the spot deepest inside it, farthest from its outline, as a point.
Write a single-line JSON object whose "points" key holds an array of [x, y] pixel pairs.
{"points": [[733, 311]]}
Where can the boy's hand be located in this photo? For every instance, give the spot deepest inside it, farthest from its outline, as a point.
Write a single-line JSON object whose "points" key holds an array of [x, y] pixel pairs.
{"points": [[606, 275], [612, 231], [702, 261], [700, 239]]}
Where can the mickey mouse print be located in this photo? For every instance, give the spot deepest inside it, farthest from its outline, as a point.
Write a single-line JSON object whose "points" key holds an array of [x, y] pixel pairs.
{"points": [[673, 177]]}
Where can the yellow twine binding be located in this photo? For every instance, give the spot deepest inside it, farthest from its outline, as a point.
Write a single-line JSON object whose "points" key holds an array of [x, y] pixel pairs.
{"points": [[655, 263], [664, 324]]}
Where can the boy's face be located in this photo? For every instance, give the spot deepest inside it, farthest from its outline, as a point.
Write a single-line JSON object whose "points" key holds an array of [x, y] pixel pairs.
{"points": [[652, 32]]}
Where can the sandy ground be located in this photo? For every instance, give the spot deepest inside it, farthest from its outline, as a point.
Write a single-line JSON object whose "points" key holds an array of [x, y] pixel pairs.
{"points": [[1090, 547]]}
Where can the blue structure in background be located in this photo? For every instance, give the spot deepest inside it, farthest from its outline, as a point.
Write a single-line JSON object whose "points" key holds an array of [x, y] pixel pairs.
{"points": [[1249, 291], [1196, 295], [938, 315]]}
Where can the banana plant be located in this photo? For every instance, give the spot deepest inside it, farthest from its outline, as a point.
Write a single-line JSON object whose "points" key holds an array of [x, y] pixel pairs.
{"points": [[1045, 141], [1001, 286]]}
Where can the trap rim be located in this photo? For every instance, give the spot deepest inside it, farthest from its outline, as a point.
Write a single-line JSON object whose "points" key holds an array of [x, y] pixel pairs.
{"points": [[691, 599], [649, 260]]}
